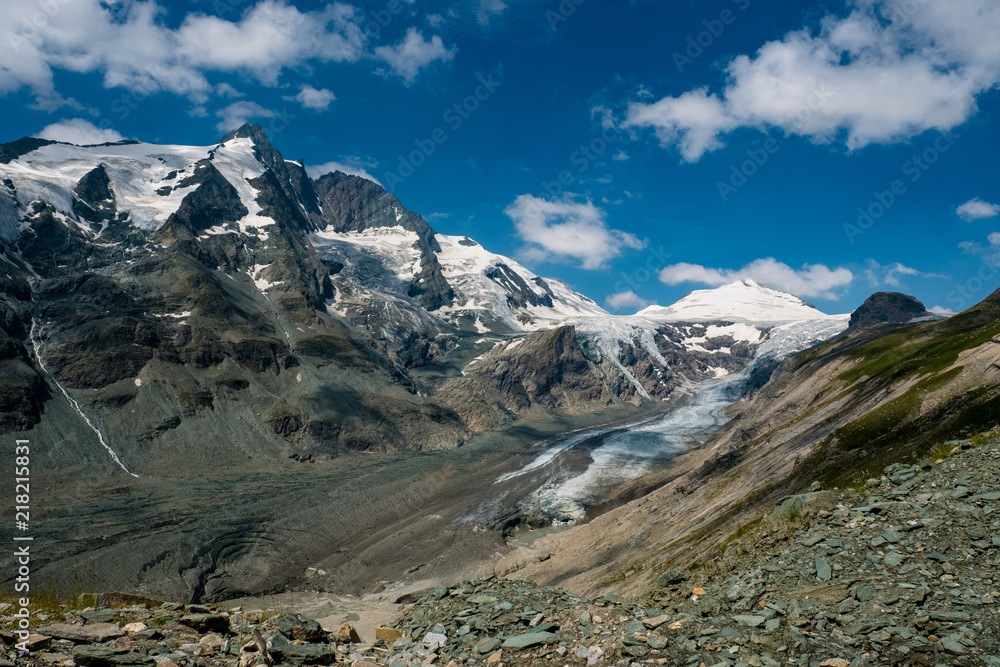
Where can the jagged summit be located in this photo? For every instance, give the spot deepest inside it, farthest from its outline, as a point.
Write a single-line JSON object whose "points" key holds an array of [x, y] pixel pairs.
{"points": [[740, 300], [243, 186]]}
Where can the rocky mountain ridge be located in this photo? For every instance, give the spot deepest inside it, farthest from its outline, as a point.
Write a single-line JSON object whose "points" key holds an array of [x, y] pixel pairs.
{"points": [[228, 272]]}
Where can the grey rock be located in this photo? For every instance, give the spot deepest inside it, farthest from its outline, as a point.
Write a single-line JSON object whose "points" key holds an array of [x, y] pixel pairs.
{"points": [[864, 592], [205, 623], [953, 646], [297, 627], [890, 536], [304, 654], [434, 640], [749, 620], [898, 477], [950, 616], [670, 577], [101, 615], [893, 558], [636, 651], [482, 599], [102, 656], [486, 645], [530, 639], [634, 627], [95, 633], [823, 570]]}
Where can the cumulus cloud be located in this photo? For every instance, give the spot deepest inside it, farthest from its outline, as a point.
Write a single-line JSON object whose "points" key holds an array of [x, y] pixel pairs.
{"points": [[626, 300], [407, 58], [886, 72], [567, 229], [78, 131], [311, 98], [351, 165], [941, 310], [812, 280], [131, 45], [977, 209], [238, 113]]}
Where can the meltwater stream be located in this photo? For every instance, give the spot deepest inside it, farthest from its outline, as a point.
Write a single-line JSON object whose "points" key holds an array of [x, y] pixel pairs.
{"points": [[37, 347]]}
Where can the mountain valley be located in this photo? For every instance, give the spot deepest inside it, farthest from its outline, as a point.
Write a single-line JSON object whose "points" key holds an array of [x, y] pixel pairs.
{"points": [[239, 379]]}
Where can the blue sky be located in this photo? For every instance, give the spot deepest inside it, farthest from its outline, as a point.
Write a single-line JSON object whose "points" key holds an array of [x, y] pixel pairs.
{"points": [[635, 150]]}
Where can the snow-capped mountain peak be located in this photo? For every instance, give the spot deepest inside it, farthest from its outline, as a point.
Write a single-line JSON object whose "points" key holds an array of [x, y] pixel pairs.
{"points": [[740, 300]]}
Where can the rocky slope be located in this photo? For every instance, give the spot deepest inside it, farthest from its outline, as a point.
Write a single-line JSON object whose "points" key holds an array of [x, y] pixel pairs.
{"points": [[836, 414], [901, 572]]}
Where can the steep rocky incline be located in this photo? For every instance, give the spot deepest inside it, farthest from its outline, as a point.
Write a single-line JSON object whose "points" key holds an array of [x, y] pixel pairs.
{"points": [[835, 414]]}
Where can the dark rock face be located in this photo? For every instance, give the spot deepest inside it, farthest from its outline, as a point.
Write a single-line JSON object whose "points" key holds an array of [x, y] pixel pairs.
{"points": [[519, 294], [886, 307], [290, 177], [354, 204], [542, 370], [94, 200], [16, 149], [214, 202]]}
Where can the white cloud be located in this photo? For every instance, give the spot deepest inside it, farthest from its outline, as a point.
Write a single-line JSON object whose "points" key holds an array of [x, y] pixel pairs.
{"points": [[351, 165], [311, 98], [565, 228], [407, 58], [888, 71], [977, 209], [620, 156], [890, 274], [435, 20], [989, 252], [129, 43], [812, 280], [226, 90], [78, 131], [941, 310], [488, 9], [238, 113], [626, 300]]}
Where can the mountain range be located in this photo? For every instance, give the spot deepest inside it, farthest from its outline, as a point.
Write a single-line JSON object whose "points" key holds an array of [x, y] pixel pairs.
{"points": [[191, 281], [223, 361]]}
